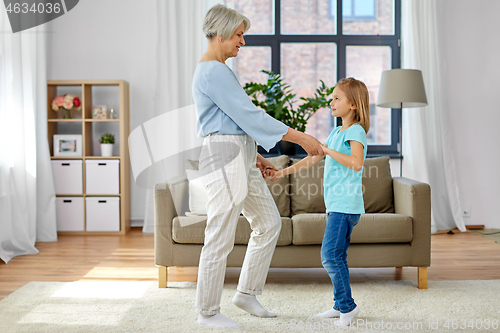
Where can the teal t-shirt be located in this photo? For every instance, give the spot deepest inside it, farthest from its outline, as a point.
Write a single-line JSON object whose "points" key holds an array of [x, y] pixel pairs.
{"points": [[343, 189]]}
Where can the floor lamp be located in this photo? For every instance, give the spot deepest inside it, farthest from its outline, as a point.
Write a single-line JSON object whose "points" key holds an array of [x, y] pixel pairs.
{"points": [[401, 88]]}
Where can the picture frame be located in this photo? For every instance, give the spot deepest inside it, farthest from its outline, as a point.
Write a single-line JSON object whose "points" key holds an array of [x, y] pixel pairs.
{"points": [[100, 112], [67, 145]]}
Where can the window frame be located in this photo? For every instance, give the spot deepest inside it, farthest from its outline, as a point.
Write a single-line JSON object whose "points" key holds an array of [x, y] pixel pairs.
{"points": [[342, 41]]}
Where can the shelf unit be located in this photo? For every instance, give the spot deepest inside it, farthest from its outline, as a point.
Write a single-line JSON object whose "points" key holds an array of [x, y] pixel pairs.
{"points": [[84, 89]]}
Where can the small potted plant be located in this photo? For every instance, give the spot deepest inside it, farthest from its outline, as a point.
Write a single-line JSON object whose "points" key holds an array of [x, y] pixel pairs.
{"points": [[277, 98], [107, 141]]}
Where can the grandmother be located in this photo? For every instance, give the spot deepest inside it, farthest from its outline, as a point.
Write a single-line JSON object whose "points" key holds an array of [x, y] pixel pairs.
{"points": [[229, 164]]}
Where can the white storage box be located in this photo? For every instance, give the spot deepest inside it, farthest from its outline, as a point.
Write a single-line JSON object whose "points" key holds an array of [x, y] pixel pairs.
{"points": [[103, 213], [68, 176], [102, 176], [69, 213]]}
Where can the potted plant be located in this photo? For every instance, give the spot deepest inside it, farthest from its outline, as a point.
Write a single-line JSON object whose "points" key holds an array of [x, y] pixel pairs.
{"points": [[107, 141], [277, 98]]}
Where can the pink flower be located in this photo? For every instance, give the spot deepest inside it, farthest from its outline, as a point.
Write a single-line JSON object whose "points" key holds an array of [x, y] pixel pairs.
{"points": [[59, 100]]}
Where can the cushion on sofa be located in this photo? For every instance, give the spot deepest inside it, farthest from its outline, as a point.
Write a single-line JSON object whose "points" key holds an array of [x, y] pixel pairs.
{"points": [[377, 184], [280, 188], [306, 189], [383, 228], [197, 193], [308, 229], [191, 230]]}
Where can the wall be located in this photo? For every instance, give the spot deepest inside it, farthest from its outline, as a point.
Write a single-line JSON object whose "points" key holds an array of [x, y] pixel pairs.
{"points": [[116, 40], [112, 39], [471, 48]]}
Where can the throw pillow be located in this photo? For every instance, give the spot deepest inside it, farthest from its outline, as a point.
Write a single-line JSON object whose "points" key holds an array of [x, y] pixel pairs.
{"points": [[280, 189], [198, 197], [377, 183], [307, 189]]}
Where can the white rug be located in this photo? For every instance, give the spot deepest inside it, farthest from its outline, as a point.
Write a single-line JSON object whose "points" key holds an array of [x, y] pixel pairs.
{"points": [[386, 306]]}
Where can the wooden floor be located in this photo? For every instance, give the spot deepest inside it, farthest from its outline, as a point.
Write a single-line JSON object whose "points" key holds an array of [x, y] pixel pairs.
{"points": [[461, 256]]}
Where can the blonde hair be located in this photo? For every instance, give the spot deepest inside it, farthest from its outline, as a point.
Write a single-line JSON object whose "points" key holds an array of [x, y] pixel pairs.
{"points": [[223, 21], [357, 93]]}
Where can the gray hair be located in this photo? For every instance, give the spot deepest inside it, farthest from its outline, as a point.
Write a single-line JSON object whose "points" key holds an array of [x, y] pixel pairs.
{"points": [[223, 21]]}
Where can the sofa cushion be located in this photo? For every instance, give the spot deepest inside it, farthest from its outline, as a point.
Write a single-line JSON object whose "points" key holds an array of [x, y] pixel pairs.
{"points": [[383, 228], [306, 189], [198, 197], [377, 184], [279, 189], [306, 192], [191, 230], [308, 229]]}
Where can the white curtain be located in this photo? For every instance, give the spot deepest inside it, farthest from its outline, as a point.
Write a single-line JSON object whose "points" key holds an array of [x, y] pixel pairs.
{"points": [[426, 133], [178, 51], [27, 195]]}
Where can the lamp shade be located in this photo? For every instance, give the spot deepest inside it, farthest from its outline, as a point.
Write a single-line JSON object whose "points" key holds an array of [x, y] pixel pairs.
{"points": [[401, 88]]}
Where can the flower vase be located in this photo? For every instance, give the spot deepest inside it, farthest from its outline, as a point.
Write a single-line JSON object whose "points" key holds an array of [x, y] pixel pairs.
{"points": [[67, 114]]}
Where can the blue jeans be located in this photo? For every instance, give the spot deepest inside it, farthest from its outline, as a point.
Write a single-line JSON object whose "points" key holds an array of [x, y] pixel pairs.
{"points": [[334, 257]]}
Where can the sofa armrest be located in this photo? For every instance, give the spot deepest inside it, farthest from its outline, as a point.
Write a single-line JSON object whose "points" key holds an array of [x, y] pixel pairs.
{"points": [[413, 198], [164, 212]]}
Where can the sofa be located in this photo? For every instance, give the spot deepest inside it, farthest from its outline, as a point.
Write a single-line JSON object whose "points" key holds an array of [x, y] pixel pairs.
{"points": [[395, 231]]}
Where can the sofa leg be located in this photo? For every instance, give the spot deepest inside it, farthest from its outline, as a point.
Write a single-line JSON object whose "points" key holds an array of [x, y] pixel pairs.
{"points": [[422, 278], [162, 276]]}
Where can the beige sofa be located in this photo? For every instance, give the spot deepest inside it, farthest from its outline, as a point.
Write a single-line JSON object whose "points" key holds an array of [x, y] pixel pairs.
{"points": [[395, 231]]}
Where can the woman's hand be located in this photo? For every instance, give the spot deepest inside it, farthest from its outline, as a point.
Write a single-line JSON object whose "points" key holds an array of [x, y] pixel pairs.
{"points": [[309, 143], [266, 168]]}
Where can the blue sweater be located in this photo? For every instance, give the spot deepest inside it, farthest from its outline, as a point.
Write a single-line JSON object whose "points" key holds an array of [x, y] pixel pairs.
{"points": [[223, 107]]}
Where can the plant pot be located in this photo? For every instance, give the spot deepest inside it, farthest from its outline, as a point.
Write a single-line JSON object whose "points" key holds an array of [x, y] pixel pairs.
{"points": [[106, 149], [287, 148]]}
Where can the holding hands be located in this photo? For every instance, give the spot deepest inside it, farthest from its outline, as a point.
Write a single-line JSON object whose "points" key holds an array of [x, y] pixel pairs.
{"points": [[277, 175], [265, 167]]}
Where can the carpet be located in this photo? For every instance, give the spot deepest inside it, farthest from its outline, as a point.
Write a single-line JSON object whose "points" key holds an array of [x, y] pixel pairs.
{"points": [[386, 306], [490, 233]]}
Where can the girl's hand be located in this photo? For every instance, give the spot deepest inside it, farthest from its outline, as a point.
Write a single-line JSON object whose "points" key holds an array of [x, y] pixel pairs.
{"points": [[325, 148], [266, 168], [277, 175], [269, 171]]}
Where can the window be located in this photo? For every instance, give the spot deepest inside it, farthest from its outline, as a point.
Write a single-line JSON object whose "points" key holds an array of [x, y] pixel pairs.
{"points": [[305, 41], [355, 10]]}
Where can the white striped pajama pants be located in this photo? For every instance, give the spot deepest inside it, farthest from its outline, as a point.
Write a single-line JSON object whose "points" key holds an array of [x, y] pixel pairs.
{"points": [[234, 185]]}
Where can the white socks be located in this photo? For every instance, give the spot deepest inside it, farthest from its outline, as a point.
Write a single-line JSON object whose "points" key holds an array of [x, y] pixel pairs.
{"points": [[250, 304], [245, 302], [328, 314], [217, 320], [345, 318]]}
